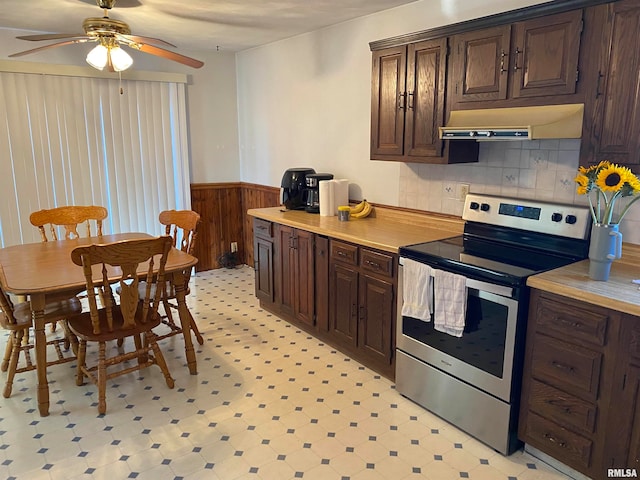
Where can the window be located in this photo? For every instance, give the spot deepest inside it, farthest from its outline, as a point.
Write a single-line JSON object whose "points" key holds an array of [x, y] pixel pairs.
{"points": [[77, 140]]}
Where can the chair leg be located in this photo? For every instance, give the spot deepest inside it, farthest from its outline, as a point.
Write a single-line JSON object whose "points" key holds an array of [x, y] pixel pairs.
{"points": [[194, 328], [16, 339], [70, 340], [102, 378], [7, 353], [150, 339], [82, 357]]}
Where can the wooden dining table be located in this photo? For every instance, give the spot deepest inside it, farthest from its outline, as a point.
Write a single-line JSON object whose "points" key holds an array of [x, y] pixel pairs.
{"points": [[44, 269]]}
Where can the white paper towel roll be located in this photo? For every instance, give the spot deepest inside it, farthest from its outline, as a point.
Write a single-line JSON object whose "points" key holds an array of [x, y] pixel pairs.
{"points": [[341, 193], [326, 190]]}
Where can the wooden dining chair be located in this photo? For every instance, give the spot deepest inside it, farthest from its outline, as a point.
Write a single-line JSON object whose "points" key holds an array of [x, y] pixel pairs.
{"points": [[17, 320], [182, 227], [126, 315], [70, 218]]}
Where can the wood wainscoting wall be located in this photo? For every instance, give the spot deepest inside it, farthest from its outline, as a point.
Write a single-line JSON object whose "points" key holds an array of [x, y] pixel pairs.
{"points": [[223, 219]]}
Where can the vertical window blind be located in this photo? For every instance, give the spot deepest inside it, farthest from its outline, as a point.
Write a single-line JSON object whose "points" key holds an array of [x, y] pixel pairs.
{"points": [[68, 140]]}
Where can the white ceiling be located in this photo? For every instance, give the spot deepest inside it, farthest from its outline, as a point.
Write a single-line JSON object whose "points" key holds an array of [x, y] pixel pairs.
{"points": [[193, 25]]}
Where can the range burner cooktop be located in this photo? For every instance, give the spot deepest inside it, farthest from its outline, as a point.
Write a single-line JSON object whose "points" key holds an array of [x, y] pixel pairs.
{"points": [[506, 240]]}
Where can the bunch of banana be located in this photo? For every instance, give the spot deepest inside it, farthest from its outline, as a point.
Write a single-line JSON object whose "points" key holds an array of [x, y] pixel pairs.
{"points": [[361, 210]]}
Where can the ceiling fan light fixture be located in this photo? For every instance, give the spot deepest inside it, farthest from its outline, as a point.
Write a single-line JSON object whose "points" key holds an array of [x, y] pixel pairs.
{"points": [[120, 59], [98, 57]]}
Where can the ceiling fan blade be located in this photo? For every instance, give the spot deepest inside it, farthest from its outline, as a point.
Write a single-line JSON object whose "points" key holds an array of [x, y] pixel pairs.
{"points": [[59, 44], [50, 36], [176, 57], [141, 39]]}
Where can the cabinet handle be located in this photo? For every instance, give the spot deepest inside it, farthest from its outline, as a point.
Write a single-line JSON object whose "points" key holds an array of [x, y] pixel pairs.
{"points": [[372, 264], [562, 366], [515, 65], [552, 439], [341, 254], [502, 56], [411, 96], [402, 101], [598, 92], [570, 323], [362, 312]]}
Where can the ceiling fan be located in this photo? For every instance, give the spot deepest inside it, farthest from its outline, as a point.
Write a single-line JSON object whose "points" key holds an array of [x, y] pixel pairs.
{"points": [[110, 35]]}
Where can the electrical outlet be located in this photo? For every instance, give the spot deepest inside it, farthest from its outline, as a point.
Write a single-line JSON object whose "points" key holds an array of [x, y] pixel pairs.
{"points": [[234, 247], [463, 190]]}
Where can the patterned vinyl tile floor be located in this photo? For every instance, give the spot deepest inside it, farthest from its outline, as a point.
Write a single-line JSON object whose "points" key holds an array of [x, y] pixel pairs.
{"points": [[269, 402]]}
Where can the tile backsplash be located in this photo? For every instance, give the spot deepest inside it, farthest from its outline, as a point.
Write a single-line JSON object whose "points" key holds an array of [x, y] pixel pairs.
{"points": [[537, 169]]}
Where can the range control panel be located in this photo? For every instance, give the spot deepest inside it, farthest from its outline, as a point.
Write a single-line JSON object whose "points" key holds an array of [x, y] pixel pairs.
{"points": [[565, 220]]}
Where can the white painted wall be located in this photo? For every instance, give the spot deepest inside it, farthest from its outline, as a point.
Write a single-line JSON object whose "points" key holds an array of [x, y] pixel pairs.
{"points": [[305, 101]]}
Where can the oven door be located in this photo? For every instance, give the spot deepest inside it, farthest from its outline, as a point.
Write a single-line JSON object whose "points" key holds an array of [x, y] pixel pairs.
{"points": [[484, 356]]}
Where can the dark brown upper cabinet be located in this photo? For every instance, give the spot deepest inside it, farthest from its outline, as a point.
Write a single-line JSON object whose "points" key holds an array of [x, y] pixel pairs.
{"points": [[529, 61], [612, 115], [407, 105]]}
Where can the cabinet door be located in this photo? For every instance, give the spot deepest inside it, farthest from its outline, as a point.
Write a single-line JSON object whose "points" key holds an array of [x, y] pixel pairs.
{"points": [[426, 68], [263, 257], [615, 133], [545, 55], [388, 101], [376, 304], [343, 299], [481, 65], [303, 277], [285, 269]]}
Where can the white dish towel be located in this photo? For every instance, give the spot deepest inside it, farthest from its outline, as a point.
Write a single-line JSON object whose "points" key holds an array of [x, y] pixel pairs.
{"points": [[450, 291], [417, 290]]}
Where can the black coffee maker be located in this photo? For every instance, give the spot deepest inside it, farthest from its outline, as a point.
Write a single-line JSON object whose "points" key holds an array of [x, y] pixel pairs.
{"points": [[313, 191], [293, 191]]}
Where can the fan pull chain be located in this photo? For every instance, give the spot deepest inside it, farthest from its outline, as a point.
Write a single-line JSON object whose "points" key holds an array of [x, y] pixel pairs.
{"points": [[120, 83]]}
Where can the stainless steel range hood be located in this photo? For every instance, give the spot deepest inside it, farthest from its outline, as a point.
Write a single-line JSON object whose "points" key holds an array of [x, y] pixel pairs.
{"points": [[517, 123]]}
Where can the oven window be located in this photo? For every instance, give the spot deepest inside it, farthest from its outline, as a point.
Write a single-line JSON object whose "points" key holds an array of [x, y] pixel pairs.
{"points": [[483, 341]]}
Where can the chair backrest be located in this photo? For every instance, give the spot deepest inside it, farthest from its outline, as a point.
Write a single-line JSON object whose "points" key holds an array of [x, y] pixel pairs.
{"points": [[182, 226], [127, 255], [68, 217], [6, 309]]}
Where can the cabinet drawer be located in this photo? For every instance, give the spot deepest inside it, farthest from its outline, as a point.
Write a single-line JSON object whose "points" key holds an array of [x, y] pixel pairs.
{"points": [[376, 262], [566, 320], [344, 252], [569, 367], [262, 228], [560, 443], [561, 407]]}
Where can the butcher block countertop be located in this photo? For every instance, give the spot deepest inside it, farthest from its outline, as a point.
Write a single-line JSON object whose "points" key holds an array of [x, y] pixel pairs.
{"points": [[618, 293], [385, 229]]}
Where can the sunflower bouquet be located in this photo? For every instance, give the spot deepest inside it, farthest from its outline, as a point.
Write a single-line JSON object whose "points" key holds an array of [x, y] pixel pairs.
{"points": [[609, 182]]}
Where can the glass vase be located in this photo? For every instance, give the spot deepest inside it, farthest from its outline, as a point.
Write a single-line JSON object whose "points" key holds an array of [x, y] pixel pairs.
{"points": [[605, 247]]}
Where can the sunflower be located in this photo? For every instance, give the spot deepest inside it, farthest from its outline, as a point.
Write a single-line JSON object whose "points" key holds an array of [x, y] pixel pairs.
{"points": [[584, 184], [609, 182], [611, 178]]}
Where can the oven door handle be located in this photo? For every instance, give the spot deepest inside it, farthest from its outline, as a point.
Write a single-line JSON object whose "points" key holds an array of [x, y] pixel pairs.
{"points": [[490, 287], [501, 290]]}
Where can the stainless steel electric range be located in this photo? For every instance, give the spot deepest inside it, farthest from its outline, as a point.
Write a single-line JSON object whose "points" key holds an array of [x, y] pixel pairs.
{"points": [[473, 381]]}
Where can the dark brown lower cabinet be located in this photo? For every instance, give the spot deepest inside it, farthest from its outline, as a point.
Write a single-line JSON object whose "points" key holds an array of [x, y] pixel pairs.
{"points": [[623, 436], [263, 259], [294, 271], [581, 385], [343, 293], [362, 288]]}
